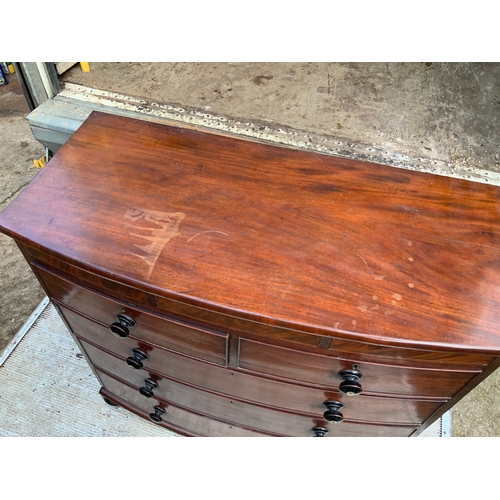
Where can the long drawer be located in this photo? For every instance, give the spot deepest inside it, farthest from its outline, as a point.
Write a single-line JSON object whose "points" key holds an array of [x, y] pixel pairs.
{"points": [[200, 343], [164, 366], [235, 414], [173, 418], [322, 370]]}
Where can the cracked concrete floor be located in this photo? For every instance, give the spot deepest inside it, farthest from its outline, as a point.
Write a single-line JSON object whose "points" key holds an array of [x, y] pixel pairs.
{"points": [[417, 132]]}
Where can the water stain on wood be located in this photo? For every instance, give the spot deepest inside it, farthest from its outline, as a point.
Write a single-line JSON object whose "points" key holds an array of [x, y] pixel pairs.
{"points": [[166, 228]]}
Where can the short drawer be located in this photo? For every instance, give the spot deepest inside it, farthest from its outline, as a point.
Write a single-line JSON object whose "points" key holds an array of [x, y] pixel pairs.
{"points": [[193, 341], [234, 413], [162, 366], [321, 370]]}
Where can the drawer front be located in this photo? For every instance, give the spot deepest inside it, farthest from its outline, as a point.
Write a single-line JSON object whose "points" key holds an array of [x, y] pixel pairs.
{"points": [[257, 390], [173, 335], [174, 418], [376, 378], [233, 414]]}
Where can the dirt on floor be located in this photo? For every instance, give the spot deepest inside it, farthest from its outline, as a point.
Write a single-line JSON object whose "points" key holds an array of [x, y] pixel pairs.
{"points": [[20, 292]]}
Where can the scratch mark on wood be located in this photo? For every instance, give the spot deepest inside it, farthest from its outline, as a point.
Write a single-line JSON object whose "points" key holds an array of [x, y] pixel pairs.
{"points": [[203, 232], [318, 158], [364, 262], [167, 223], [378, 277]]}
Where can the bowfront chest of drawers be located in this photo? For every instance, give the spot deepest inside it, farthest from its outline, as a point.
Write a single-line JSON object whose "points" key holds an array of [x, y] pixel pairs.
{"points": [[223, 287]]}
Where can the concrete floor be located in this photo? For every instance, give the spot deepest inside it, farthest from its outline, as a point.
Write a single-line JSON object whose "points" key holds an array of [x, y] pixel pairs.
{"points": [[20, 292], [445, 114]]}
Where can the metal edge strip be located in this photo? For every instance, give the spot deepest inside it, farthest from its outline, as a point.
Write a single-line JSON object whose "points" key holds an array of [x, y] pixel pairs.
{"points": [[23, 330], [446, 424]]}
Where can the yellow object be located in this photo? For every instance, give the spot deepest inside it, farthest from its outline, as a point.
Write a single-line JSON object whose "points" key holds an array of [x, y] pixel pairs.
{"points": [[85, 67], [39, 163], [10, 66]]}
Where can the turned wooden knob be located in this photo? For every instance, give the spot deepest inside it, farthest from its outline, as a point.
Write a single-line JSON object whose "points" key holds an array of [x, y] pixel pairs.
{"points": [[120, 328], [333, 414], [350, 385], [147, 390], [156, 416], [136, 360], [320, 431]]}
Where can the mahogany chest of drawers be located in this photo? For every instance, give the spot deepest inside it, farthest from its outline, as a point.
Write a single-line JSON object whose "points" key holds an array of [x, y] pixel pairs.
{"points": [[224, 287]]}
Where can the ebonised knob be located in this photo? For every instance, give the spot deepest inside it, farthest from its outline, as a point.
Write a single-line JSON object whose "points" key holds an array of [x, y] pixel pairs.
{"points": [[320, 431], [136, 360], [350, 385], [120, 328], [156, 416], [147, 390], [333, 414]]}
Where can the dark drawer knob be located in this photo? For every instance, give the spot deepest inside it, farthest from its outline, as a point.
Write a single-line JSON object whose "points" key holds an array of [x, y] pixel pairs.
{"points": [[333, 414], [147, 390], [350, 385], [120, 328], [320, 432], [136, 360], [156, 416]]}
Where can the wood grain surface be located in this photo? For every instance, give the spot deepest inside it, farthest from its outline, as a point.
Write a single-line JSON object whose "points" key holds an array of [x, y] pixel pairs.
{"points": [[261, 391], [239, 415], [280, 236]]}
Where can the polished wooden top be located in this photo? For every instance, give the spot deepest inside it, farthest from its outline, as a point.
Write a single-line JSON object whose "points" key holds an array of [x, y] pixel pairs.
{"points": [[282, 236]]}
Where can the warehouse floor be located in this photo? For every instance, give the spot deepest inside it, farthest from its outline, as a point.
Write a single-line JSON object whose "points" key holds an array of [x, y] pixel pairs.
{"points": [[420, 113]]}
